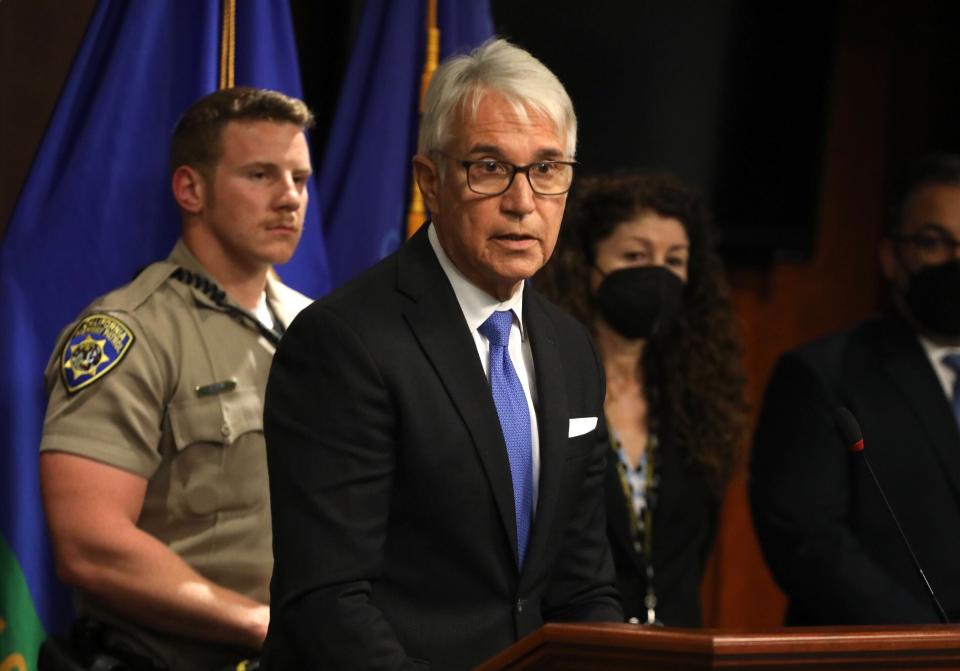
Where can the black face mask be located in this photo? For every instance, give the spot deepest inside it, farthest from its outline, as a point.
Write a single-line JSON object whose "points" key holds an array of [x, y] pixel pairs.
{"points": [[933, 298], [640, 302]]}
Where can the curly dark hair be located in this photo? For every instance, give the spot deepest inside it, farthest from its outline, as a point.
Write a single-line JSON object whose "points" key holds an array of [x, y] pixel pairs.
{"points": [[695, 367]]}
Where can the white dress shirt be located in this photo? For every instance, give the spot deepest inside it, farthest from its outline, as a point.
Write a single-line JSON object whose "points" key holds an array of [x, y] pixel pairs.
{"points": [[477, 305]]}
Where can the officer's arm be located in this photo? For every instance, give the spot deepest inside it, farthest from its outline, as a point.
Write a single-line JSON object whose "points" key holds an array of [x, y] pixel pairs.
{"points": [[92, 510]]}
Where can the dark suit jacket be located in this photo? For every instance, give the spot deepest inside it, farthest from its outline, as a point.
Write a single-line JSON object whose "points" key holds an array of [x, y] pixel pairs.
{"points": [[684, 527], [822, 524], [394, 526]]}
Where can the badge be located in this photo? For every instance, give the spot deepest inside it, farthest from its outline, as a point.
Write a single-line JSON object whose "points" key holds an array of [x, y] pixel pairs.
{"points": [[95, 347]]}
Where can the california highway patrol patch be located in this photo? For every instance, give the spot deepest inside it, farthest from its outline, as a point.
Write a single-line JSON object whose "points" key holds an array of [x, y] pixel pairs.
{"points": [[95, 347]]}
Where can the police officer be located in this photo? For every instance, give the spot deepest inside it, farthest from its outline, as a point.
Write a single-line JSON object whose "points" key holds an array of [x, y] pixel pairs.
{"points": [[153, 464]]}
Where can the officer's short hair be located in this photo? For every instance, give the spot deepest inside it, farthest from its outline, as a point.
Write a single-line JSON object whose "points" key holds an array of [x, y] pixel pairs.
{"points": [[197, 137]]}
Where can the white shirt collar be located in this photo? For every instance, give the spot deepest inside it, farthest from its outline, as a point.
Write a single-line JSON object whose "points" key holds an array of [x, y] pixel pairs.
{"points": [[935, 353], [285, 301], [262, 311], [477, 304]]}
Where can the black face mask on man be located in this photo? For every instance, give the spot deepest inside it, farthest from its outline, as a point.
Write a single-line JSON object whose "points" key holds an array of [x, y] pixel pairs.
{"points": [[641, 301], [933, 298]]}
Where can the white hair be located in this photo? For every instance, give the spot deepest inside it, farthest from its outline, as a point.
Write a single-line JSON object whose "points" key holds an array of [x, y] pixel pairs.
{"points": [[460, 82]]}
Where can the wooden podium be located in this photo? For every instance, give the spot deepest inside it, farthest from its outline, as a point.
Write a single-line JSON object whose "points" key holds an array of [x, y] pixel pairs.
{"points": [[582, 647]]}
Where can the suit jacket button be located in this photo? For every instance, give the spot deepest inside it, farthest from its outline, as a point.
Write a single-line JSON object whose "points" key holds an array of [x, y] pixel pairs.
{"points": [[521, 603]]}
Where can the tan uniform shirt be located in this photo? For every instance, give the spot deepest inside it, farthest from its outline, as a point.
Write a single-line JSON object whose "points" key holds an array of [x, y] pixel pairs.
{"points": [[180, 404]]}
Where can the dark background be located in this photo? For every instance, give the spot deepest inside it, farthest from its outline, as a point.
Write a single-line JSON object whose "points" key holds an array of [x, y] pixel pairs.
{"points": [[701, 89], [705, 90], [734, 96], [795, 119]]}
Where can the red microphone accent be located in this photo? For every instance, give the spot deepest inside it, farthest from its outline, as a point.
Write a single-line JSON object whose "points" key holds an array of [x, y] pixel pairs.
{"points": [[849, 429]]}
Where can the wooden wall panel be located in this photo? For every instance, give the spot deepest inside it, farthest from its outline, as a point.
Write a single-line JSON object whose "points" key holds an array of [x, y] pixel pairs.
{"points": [[790, 303]]}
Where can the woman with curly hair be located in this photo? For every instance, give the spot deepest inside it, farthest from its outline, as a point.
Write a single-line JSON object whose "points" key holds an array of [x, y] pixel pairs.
{"points": [[636, 263]]}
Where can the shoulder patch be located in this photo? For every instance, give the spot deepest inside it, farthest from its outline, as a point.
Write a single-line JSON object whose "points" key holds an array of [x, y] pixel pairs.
{"points": [[94, 348]]}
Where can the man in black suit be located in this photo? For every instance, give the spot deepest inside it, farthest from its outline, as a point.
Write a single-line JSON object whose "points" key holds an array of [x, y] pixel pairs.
{"points": [[827, 536], [436, 482]]}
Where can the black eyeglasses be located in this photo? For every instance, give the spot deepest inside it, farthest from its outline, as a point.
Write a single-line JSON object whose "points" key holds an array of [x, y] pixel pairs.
{"points": [[489, 177], [933, 243]]}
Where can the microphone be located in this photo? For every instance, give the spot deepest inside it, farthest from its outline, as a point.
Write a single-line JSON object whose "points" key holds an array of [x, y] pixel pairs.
{"points": [[850, 430]]}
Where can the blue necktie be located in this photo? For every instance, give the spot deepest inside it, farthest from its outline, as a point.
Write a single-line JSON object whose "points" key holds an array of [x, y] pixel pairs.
{"points": [[953, 361], [514, 415]]}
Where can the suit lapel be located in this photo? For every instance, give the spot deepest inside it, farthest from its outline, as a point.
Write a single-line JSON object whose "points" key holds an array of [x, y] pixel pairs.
{"points": [[908, 366], [437, 323], [552, 419]]}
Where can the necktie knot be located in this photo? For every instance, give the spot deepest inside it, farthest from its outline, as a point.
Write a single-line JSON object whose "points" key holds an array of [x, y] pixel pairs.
{"points": [[496, 328]]}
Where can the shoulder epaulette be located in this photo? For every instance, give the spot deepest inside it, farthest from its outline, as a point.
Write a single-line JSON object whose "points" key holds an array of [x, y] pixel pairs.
{"points": [[131, 296]]}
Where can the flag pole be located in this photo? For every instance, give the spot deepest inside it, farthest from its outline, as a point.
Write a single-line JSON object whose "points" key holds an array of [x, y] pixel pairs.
{"points": [[228, 61], [228, 44], [417, 212]]}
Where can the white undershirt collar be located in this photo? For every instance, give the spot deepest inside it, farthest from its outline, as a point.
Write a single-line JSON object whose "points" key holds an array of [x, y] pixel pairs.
{"points": [[477, 304]]}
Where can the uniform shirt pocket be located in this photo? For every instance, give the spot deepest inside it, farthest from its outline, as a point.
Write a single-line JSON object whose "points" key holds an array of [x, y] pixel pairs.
{"points": [[215, 419], [220, 459]]}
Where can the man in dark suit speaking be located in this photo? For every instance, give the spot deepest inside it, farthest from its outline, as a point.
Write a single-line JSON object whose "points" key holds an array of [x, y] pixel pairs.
{"points": [[431, 427], [821, 520]]}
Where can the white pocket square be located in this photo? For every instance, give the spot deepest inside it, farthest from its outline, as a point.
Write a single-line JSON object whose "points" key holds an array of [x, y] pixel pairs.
{"points": [[581, 425]]}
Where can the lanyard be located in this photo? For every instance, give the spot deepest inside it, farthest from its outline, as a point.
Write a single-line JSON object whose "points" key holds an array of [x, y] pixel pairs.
{"points": [[212, 291], [644, 545]]}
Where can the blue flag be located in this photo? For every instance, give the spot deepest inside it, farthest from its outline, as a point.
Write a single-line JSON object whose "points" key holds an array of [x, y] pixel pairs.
{"points": [[366, 176], [96, 207]]}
